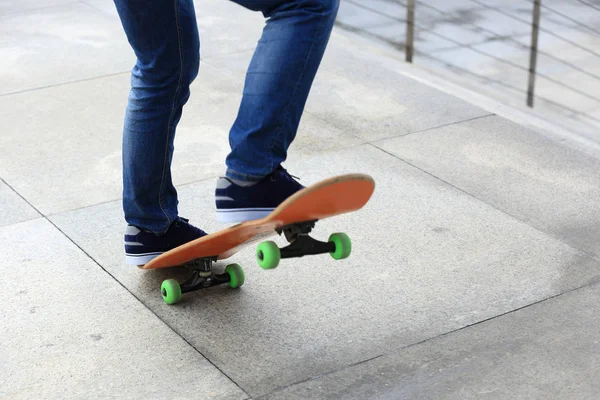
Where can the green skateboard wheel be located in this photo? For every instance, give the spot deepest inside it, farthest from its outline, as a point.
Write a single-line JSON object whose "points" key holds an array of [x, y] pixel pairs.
{"points": [[171, 291], [268, 255], [236, 275], [343, 246]]}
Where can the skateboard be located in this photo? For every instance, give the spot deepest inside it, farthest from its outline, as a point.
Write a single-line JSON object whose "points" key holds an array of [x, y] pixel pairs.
{"points": [[294, 218]]}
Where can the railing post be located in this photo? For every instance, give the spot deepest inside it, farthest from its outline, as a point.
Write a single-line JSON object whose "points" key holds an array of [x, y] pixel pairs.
{"points": [[535, 27], [410, 28]]}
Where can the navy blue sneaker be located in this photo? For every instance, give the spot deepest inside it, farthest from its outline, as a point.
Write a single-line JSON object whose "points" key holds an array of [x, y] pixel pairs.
{"points": [[142, 246], [238, 203]]}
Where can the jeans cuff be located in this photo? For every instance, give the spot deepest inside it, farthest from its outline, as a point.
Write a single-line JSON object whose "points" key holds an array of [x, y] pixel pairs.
{"points": [[242, 177]]}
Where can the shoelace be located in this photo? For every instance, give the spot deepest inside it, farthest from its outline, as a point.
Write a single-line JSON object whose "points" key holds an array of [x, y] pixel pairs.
{"points": [[286, 174], [180, 219]]}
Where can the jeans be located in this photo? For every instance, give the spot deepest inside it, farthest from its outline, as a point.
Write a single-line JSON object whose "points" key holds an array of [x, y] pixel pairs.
{"points": [[164, 36]]}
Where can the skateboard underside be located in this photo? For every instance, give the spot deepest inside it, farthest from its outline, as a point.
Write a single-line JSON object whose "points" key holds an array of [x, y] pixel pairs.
{"points": [[294, 219], [268, 255]]}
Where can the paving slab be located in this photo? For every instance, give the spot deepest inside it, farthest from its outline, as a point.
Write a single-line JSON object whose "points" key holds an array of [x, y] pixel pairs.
{"points": [[391, 9], [354, 94], [428, 259], [13, 208], [554, 80], [558, 82], [512, 75], [11, 6], [75, 41], [501, 24], [224, 26], [71, 331], [90, 171], [82, 40], [574, 14], [550, 350], [463, 24], [582, 54], [549, 186], [595, 113], [357, 16], [57, 162], [394, 36]]}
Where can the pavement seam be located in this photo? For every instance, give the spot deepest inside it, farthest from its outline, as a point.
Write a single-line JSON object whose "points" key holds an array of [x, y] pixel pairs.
{"points": [[148, 308], [338, 128], [112, 74], [34, 89], [399, 350], [432, 128], [578, 251], [22, 198]]}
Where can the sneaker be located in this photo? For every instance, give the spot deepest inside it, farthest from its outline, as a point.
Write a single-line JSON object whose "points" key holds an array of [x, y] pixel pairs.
{"points": [[236, 203], [142, 246]]}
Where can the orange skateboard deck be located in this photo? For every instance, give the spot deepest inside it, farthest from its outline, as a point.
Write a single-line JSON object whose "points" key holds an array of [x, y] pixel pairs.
{"points": [[295, 217]]}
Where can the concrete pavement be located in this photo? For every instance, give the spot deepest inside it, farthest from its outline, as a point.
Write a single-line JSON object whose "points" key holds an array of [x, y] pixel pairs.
{"points": [[485, 45], [475, 271]]}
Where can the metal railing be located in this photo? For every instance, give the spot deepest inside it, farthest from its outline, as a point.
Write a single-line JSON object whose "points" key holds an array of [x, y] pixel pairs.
{"points": [[411, 49]]}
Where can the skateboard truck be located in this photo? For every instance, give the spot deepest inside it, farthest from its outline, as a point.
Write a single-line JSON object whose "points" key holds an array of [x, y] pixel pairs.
{"points": [[294, 218], [268, 254], [301, 244], [202, 277]]}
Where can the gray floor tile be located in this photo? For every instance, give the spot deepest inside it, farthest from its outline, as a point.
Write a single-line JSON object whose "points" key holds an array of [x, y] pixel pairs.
{"points": [[355, 15], [427, 259], [394, 36], [71, 331], [74, 40], [57, 161], [85, 39], [341, 97], [550, 350], [80, 156], [478, 60], [582, 54], [224, 26], [373, 111], [13, 208], [556, 85], [574, 14], [533, 178], [9, 6]]}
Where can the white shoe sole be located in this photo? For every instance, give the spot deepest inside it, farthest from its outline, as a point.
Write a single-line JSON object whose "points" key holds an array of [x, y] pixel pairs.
{"points": [[140, 259], [238, 215]]}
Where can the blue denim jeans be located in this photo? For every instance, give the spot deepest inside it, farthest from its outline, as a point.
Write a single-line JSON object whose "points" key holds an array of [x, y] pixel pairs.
{"points": [[164, 36]]}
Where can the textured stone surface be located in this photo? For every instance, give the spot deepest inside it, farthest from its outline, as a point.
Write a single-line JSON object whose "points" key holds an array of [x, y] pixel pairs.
{"points": [[80, 156], [75, 41], [71, 331], [355, 96], [85, 39], [523, 173], [550, 350], [13, 208], [427, 259]]}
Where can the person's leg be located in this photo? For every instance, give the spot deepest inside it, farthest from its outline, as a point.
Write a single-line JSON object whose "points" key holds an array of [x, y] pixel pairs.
{"points": [[277, 86], [164, 36], [278, 82]]}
